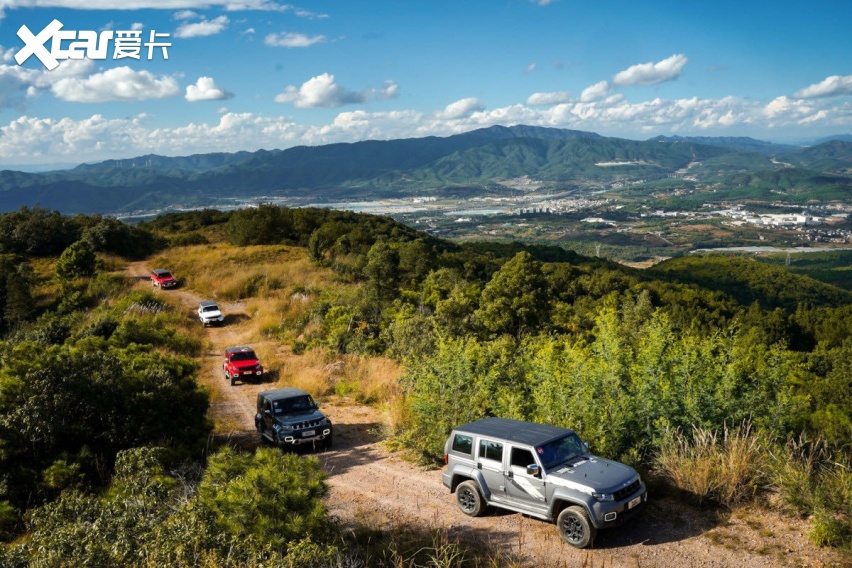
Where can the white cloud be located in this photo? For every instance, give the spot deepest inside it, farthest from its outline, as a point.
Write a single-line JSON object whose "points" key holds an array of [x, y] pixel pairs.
{"points": [[531, 67], [266, 5], [292, 40], [203, 28], [652, 73], [828, 87], [205, 89], [594, 92], [462, 108], [185, 15], [116, 84], [322, 91], [552, 98], [137, 26]]}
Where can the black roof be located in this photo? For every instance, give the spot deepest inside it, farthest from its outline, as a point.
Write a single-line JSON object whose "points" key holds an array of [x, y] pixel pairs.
{"points": [[159, 271], [238, 349], [207, 303], [277, 394], [520, 431]]}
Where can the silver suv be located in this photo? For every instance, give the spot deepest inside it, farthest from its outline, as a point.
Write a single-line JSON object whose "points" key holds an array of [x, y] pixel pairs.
{"points": [[542, 471]]}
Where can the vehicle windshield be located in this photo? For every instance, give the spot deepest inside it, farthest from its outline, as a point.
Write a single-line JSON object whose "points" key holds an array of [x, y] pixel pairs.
{"points": [[293, 405], [164, 275], [559, 451], [243, 356], [210, 308]]}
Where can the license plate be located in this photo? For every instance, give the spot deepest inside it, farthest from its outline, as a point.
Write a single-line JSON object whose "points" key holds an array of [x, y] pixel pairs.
{"points": [[634, 502], [307, 433], [248, 372]]}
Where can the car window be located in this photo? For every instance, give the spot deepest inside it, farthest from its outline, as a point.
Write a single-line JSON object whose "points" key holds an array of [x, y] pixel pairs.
{"points": [[463, 444], [293, 405], [491, 450], [521, 457], [243, 356], [560, 450]]}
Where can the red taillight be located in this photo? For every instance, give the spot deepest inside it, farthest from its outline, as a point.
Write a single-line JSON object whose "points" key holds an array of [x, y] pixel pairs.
{"points": [[446, 459]]}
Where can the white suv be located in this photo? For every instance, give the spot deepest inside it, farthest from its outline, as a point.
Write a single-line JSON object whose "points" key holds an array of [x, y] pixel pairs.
{"points": [[210, 314]]}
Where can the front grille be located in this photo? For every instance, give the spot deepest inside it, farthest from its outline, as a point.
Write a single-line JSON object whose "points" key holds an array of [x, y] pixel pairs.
{"points": [[307, 424], [622, 493]]}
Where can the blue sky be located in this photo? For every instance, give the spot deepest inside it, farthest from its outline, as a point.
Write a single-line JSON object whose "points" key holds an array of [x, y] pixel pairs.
{"points": [[252, 74]]}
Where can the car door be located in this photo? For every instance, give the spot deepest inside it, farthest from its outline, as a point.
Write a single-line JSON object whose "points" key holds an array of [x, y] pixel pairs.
{"points": [[490, 462], [522, 488]]}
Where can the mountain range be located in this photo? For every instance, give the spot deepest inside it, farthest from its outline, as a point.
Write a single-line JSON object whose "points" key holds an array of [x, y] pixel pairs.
{"points": [[477, 162]]}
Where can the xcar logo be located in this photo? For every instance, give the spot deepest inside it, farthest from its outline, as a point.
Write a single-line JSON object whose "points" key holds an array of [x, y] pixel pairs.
{"points": [[85, 44]]}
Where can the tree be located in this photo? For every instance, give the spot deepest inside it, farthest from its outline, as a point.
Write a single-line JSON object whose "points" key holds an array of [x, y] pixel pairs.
{"points": [[78, 260], [515, 300]]}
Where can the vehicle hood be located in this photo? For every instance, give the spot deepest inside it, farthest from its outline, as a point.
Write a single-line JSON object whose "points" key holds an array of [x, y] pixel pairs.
{"points": [[599, 474], [298, 417]]}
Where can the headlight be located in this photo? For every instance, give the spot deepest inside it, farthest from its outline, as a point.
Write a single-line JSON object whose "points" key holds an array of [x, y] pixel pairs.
{"points": [[604, 496]]}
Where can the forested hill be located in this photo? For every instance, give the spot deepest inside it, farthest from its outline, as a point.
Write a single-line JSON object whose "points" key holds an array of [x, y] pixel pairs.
{"points": [[731, 381], [478, 161]]}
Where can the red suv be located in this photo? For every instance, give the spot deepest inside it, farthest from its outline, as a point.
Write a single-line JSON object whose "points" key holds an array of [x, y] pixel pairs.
{"points": [[162, 278], [241, 362]]}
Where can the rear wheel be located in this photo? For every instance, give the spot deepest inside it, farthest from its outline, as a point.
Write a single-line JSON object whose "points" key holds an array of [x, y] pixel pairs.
{"points": [[575, 528], [469, 499]]}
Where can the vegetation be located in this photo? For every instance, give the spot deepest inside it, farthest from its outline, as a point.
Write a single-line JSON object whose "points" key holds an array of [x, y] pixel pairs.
{"points": [[731, 379]]}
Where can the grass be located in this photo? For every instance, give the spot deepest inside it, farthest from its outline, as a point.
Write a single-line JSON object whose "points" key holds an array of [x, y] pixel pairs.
{"points": [[726, 467]]}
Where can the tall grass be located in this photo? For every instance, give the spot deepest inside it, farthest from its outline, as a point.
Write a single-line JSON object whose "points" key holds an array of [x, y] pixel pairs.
{"points": [[726, 467]]}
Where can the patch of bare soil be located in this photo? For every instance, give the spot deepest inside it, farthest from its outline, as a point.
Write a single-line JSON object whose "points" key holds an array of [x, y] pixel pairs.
{"points": [[372, 486]]}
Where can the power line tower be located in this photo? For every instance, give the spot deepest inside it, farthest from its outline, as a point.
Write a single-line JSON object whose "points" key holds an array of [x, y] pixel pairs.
{"points": [[787, 261], [598, 250]]}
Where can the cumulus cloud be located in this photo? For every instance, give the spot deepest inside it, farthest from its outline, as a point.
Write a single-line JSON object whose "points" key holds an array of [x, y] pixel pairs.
{"points": [[652, 73], [205, 89], [116, 84], [233, 5], [596, 91], [552, 98], [202, 28], [320, 91], [462, 108], [832, 86], [290, 39]]}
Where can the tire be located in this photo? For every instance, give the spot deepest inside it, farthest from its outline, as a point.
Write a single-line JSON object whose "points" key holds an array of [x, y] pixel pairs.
{"points": [[575, 528], [327, 443], [469, 499], [233, 381]]}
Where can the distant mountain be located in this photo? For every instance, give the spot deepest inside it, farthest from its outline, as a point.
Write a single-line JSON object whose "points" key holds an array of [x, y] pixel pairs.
{"points": [[463, 164], [743, 143], [841, 137]]}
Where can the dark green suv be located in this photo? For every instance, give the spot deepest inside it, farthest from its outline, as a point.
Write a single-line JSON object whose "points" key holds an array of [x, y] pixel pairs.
{"points": [[289, 417]]}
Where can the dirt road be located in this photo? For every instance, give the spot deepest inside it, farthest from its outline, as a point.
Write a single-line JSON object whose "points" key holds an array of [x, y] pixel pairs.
{"points": [[372, 486]]}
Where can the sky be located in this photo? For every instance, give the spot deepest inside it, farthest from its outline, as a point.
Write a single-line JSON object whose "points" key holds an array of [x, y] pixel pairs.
{"points": [[234, 75]]}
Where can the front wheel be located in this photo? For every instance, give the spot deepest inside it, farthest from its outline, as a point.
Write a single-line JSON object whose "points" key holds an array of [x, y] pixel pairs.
{"points": [[575, 528], [233, 380], [469, 499]]}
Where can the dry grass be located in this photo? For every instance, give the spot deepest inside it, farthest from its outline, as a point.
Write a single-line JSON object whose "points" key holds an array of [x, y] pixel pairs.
{"points": [[727, 467], [231, 273]]}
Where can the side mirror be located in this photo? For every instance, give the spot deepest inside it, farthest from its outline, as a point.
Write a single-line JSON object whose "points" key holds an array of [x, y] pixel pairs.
{"points": [[586, 447], [267, 412], [534, 470]]}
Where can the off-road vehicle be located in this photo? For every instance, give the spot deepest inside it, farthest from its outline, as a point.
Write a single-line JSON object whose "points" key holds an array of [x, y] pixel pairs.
{"points": [[542, 471], [209, 313], [241, 363], [162, 279], [289, 417]]}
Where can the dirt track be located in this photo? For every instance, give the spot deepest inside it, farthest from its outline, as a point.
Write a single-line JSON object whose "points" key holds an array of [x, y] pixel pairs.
{"points": [[373, 486]]}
